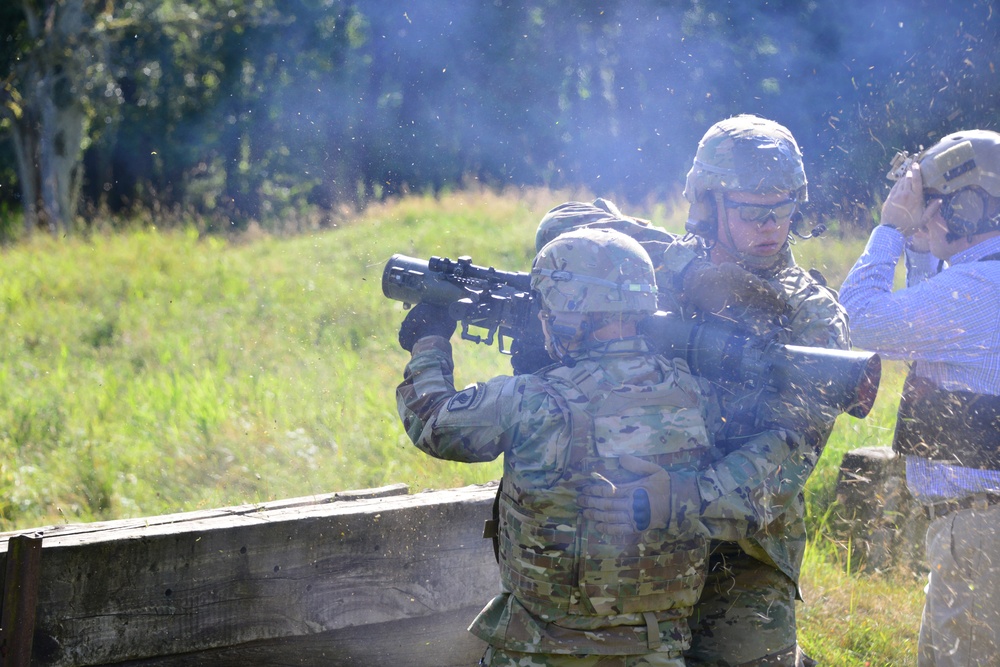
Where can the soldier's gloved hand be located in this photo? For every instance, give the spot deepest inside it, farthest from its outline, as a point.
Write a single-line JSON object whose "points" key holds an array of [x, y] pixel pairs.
{"points": [[425, 319], [628, 508], [711, 287]]}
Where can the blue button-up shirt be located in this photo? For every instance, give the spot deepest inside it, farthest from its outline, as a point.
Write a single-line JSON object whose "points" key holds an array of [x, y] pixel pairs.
{"points": [[948, 324]]}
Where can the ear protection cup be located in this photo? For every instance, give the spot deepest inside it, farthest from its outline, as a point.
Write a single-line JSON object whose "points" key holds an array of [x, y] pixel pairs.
{"points": [[703, 217], [959, 227]]}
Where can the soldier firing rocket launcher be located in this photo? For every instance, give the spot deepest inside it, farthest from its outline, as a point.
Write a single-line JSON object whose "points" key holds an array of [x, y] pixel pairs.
{"points": [[501, 303]]}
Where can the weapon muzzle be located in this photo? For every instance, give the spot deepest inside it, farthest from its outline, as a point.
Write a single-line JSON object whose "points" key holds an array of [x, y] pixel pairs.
{"points": [[411, 281], [845, 379]]}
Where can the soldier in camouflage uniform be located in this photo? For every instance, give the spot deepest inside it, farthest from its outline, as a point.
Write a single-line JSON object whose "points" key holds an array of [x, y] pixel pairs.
{"points": [[744, 188], [611, 412]]}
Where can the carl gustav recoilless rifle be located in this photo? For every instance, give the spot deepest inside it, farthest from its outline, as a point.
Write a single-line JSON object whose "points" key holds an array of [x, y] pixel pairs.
{"points": [[501, 303]]}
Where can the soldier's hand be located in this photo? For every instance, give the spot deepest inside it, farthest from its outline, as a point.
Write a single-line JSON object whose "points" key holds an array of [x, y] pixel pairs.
{"points": [[711, 287], [621, 509], [425, 319]]}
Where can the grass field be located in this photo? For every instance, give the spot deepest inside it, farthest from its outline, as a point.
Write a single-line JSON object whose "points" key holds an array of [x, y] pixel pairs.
{"points": [[147, 372]]}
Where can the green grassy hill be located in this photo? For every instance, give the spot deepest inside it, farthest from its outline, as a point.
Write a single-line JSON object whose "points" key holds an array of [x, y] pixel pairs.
{"points": [[149, 372]]}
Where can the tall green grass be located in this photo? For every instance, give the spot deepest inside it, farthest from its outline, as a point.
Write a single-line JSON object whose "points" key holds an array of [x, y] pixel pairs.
{"points": [[147, 372], [851, 619]]}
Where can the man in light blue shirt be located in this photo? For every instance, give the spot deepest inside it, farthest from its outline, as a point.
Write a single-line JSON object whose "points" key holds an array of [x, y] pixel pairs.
{"points": [[947, 322]]}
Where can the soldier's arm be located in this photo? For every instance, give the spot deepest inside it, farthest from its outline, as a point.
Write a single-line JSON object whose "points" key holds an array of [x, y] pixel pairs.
{"points": [[480, 422], [428, 403], [734, 497], [748, 488], [756, 481]]}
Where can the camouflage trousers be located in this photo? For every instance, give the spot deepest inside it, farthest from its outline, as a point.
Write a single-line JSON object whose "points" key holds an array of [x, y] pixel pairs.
{"points": [[746, 614], [500, 658]]}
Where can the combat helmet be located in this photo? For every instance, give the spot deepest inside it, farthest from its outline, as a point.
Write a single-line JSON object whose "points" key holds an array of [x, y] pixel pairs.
{"points": [[594, 271], [964, 169], [744, 153]]}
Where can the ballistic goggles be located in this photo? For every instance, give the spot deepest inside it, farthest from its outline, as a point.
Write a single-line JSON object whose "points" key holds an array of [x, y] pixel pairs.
{"points": [[760, 213]]}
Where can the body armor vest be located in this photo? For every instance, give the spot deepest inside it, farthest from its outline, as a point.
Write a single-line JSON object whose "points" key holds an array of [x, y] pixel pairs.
{"points": [[957, 427], [551, 558]]}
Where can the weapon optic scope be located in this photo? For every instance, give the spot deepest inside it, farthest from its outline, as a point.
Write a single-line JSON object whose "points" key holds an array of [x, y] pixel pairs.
{"points": [[485, 298]]}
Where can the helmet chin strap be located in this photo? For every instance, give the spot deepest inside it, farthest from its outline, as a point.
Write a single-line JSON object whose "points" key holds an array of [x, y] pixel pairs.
{"points": [[558, 351], [559, 336]]}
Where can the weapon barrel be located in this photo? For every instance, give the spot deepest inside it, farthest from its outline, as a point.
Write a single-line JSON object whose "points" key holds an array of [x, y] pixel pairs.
{"points": [[412, 281], [464, 269], [717, 349], [713, 348], [442, 281], [846, 379]]}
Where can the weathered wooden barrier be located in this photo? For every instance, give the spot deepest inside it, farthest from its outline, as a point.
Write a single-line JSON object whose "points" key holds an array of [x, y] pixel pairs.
{"points": [[378, 577]]}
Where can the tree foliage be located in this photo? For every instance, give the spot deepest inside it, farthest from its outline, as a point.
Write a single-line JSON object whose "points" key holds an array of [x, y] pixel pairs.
{"points": [[47, 101], [250, 109]]}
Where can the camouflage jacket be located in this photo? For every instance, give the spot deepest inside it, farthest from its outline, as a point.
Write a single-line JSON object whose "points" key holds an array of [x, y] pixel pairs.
{"points": [[568, 588], [753, 492], [769, 445]]}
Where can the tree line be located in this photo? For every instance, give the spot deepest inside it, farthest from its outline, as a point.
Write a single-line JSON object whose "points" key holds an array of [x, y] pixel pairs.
{"points": [[241, 110]]}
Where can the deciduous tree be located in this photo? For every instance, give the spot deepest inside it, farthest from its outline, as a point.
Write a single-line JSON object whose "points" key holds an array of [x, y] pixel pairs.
{"points": [[47, 100]]}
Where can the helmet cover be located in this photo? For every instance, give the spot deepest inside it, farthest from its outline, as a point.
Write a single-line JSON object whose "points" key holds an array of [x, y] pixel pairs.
{"points": [[747, 153], [568, 216], [594, 271], [963, 159]]}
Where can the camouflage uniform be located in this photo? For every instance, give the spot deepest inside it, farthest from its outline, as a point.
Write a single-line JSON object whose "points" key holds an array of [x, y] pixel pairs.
{"points": [[747, 613], [751, 496], [570, 595]]}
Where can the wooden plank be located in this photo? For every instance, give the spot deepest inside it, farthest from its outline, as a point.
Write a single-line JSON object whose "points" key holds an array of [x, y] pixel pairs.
{"points": [[132, 591], [440, 640], [20, 592], [101, 528]]}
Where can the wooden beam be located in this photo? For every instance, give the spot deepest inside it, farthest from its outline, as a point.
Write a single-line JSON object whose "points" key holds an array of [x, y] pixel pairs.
{"points": [[440, 640], [20, 594], [369, 573]]}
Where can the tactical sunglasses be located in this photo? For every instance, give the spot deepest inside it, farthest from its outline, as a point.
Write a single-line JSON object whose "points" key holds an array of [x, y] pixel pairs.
{"points": [[759, 213], [963, 210]]}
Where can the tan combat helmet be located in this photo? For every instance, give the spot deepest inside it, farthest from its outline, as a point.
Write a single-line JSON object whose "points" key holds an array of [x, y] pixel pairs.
{"points": [[594, 271], [744, 153], [964, 170]]}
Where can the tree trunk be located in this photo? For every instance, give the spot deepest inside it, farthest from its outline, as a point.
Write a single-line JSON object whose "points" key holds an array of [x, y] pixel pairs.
{"points": [[26, 150], [52, 120]]}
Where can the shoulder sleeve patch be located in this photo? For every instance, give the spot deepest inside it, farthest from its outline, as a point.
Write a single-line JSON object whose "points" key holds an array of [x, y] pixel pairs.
{"points": [[465, 399]]}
